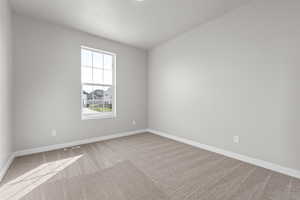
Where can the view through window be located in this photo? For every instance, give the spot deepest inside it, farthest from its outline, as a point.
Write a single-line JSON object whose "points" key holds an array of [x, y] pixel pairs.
{"points": [[97, 83]]}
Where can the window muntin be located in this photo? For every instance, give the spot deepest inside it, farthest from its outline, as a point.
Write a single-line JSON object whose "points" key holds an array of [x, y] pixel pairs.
{"points": [[97, 84]]}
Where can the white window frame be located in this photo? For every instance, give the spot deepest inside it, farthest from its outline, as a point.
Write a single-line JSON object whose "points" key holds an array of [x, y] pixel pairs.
{"points": [[104, 115]]}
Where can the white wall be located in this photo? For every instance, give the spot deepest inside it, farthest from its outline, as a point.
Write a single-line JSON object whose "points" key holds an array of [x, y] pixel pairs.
{"points": [[47, 85], [5, 83], [237, 75]]}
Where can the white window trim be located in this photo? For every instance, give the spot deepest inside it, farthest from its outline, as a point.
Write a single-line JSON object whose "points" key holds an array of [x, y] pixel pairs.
{"points": [[108, 115]]}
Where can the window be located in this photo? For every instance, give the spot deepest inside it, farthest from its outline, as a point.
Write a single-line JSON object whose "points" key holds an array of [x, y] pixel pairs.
{"points": [[97, 84]]}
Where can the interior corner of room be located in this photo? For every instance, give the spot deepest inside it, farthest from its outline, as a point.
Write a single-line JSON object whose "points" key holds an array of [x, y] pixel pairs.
{"points": [[226, 85]]}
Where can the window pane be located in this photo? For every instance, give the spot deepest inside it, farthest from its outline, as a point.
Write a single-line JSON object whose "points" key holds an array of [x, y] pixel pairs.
{"points": [[98, 76], [108, 94], [86, 57], [86, 74], [97, 60], [108, 61], [96, 99], [108, 77], [86, 97]]}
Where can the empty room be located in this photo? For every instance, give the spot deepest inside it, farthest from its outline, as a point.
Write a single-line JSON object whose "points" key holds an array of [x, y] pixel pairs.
{"points": [[150, 100]]}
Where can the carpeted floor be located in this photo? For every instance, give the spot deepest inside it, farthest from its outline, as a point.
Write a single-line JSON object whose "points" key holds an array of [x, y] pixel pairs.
{"points": [[142, 167]]}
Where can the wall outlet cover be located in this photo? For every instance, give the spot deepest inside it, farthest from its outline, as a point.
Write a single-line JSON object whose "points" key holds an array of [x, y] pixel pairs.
{"points": [[53, 132], [236, 139]]}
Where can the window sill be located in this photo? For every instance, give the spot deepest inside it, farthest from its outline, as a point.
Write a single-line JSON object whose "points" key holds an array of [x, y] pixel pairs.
{"points": [[98, 116]]}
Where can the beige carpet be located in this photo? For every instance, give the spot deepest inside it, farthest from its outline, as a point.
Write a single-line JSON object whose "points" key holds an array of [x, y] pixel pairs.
{"points": [[142, 167]]}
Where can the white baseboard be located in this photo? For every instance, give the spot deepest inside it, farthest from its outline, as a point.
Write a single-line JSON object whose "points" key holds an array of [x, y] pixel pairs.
{"points": [[6, 166], [76, 143], [247, 159], [64, 145], [254, 161]]}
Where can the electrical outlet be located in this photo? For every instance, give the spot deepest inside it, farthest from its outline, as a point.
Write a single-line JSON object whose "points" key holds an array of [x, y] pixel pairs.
{"points": [[53, 133], [133, 122], [236, 139]]}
